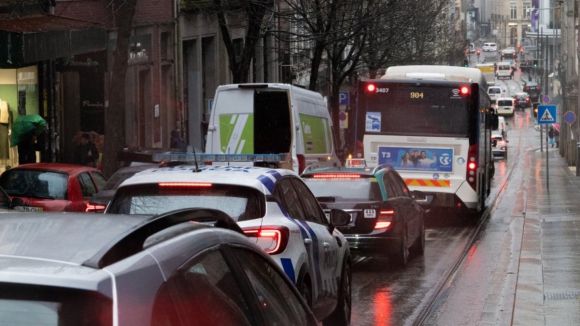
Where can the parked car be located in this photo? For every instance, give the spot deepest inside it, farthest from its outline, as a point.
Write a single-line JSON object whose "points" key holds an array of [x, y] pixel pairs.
{"points": [[385, 219], [274, 208], [489, 47], [534, 90], [505, 106], [499, 145], [101, 199], [522, 100], [52, 186], [76, 269], [6, 204]]}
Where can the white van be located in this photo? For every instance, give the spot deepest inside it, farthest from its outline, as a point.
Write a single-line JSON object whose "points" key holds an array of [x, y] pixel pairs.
{"points": [[495, 92], [504, 70], [272, 119]]}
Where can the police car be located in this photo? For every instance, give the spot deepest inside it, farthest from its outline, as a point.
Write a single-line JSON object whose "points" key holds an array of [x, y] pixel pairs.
{"points": [[274, 208]]}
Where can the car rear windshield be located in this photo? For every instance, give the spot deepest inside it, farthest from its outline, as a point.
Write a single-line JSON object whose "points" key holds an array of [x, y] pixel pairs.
{"points": [[240, 203], [35, 183], [22, 304], [504, 103], [341, 189], [494, 91]]}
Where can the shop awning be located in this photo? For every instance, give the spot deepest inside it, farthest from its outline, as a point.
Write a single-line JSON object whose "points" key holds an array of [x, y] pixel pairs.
{"points": [[27, 40]]}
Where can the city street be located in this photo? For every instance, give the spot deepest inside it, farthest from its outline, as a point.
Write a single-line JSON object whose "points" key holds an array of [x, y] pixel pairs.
{"points": [[515, 267]]}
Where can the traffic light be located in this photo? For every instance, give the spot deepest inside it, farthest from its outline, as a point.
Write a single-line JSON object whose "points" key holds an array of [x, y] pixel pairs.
{"points": [[535, 63], [465, 63]]}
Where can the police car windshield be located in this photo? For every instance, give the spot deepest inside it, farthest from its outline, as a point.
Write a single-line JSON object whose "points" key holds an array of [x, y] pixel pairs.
{"points": [[363, 189], [240, 203]]}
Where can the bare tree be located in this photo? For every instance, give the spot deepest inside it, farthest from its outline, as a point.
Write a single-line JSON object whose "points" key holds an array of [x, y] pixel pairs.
{"points": [[115, 112]]}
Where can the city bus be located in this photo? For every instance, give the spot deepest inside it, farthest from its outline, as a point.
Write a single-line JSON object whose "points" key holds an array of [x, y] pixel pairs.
{"points": [[433, 125]]}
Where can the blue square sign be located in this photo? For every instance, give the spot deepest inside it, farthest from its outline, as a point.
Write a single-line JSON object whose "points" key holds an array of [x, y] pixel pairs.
{"points": [[546, 114]]}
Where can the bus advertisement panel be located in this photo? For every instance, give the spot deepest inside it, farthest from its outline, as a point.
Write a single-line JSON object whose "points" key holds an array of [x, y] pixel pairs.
{"points": [[433, 125], [417, 158]]}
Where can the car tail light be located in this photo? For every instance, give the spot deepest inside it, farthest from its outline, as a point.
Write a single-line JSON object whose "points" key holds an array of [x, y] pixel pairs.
{"points": [[273, 240], [95, 208], [301, 163], [184, 184], [472, 167], [336, 176], [537, 87], [385, 219]]}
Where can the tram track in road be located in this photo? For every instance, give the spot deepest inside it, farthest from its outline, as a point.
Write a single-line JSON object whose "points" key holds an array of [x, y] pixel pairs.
{"points": [[441, 289]]}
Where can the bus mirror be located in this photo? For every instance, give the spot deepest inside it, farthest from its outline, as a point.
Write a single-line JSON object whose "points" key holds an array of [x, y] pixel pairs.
{"points": [[494, 121]]}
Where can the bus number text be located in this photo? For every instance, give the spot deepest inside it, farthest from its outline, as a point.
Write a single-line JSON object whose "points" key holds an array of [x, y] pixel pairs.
{"points": [[416, 95], [382, 90]]}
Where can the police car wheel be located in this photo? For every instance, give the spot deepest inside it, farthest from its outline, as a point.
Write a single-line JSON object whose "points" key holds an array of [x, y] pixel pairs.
{"points": [[401, 258], [341, 315], [305, 291]]}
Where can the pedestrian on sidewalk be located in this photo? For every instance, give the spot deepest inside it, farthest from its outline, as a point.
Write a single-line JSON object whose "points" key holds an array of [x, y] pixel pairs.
{"points": [[551, 136], [557, 137]]}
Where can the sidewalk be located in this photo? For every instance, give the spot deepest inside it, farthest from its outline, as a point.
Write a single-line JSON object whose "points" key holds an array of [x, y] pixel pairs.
{"points": [[548, 277]]}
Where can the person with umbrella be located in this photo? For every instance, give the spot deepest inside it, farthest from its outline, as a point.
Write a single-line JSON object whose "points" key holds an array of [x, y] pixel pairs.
{"points": [[25, 131], [557, 134]]}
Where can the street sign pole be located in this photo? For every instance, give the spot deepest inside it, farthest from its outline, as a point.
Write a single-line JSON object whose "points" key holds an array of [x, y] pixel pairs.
{"points": [[547, 116]]}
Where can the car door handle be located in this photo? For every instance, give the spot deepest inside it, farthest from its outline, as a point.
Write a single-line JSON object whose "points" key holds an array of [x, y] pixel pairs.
{"points": [[326, 244], [307, 241]]}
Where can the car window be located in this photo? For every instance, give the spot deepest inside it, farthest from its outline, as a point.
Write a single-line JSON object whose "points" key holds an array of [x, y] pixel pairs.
{"points": [[505, 103], [345, 189], [394, 183], [36, 184], [399, 185], [99, 179], [311, 207], [88, 188], [280, 304], [205, 291], [288, 196], [494, 91], [116, 179], [240, 203], [22, 304], [391, 192]]}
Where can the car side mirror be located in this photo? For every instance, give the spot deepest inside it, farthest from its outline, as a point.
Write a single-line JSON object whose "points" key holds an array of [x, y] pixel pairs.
{"points": [[338, 217], [418, 195]]}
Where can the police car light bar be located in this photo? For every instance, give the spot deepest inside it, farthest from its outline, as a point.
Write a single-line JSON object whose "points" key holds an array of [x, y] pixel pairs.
{"points": [[202, 158]]}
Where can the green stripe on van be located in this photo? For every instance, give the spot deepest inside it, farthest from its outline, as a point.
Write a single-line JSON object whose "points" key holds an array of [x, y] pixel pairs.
{"points": [[316, 132], [237, 133]]}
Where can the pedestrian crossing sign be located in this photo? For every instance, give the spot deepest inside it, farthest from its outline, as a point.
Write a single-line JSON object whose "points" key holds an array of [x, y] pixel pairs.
{"points": [[546, 114]]}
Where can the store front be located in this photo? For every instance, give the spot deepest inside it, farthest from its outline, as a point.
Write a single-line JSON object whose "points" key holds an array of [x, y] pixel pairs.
{"points": [[19, 95], [29, 82]]}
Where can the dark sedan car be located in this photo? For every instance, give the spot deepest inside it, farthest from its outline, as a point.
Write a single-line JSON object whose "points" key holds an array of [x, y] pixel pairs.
{"points": [[522, 100], [385, 219]]}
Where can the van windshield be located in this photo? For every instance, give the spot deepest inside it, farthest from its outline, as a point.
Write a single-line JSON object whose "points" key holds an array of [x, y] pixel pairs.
{"points": [[504, 103], [494, 91]]}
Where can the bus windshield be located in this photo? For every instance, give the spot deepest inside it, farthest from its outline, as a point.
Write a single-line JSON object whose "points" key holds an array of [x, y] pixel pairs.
{"points": [[408, 109]]}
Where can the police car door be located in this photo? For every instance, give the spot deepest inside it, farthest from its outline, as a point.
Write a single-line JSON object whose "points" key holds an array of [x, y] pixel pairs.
{"points": [[330, 251]]}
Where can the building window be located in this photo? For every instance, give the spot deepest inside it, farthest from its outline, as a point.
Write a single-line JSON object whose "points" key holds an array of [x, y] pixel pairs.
{"points": [[513, 10], [527, 10]]}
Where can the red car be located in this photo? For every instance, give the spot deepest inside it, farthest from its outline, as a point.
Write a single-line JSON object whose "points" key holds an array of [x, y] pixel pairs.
{"points": [[44, 187]]}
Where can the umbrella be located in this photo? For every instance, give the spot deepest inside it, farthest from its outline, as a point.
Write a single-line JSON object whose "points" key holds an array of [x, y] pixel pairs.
{"points": [[25, 126], [556, 126]]}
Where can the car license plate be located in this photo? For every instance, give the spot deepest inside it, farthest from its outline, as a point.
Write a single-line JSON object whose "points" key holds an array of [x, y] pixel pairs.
{"points": [[370, 213], [28, 209]]}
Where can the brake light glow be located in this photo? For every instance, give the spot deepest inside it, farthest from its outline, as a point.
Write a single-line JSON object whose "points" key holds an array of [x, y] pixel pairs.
{"points": [[537, 87], [471, 167], [385, 219], [94, 208], [371, 87], [464, 90], [273, 240], [336, 176], [184, 184]]}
